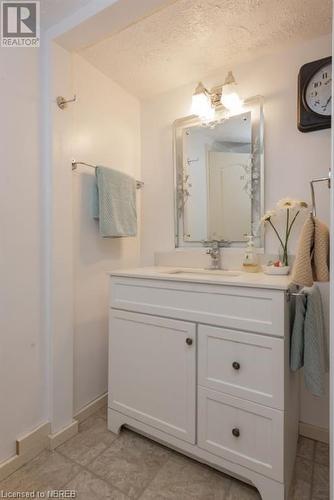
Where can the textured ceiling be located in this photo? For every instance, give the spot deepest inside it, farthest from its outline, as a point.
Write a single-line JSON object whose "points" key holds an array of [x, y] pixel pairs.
{"points": [[192, 38]]}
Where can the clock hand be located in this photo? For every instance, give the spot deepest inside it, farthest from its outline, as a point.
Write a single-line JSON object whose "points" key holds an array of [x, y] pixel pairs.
{"points": [[328, 81], [324, 107]]}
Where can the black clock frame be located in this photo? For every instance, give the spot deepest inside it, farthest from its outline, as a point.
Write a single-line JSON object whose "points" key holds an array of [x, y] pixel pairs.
{"points": [[309, 120]]}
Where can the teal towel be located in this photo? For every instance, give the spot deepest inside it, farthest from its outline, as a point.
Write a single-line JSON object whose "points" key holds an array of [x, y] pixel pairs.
{"points": [[115, 203], [308, 341]]}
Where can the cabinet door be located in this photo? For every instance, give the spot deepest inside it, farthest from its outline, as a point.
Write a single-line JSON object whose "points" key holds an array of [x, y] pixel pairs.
{"points": [[152, 378]]}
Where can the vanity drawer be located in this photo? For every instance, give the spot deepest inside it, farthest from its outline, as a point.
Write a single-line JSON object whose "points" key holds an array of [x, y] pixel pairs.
{"points": [[245, 433], [243, 308], [242, 364]]}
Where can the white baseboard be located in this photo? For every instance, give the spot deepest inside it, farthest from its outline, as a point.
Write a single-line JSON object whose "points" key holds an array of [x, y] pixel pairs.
{"points": [[63, 435], [91, 408], [314, 432], [31, 444], [27, 448]]}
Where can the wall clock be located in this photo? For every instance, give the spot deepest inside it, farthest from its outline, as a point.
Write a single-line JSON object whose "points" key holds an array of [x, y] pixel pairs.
{"points": [[315, 95]]}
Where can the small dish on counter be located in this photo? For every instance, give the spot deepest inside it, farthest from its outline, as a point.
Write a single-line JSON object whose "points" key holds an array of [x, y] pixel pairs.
{"points": [[276, 270]]}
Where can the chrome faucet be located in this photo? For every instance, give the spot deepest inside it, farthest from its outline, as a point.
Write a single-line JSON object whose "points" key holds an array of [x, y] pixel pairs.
{"points": [[214, 252]]}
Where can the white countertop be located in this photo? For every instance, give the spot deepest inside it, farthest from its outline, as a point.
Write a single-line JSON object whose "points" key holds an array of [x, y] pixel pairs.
{"points": [[256, 280]]}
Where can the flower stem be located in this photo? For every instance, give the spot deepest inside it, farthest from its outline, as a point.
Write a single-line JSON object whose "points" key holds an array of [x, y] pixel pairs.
{"points": [[288, 232], [285, 250], [292, 222], [277, 234]]}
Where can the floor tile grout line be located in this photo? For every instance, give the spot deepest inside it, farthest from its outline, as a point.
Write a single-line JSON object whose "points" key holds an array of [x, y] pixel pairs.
{"points": [[321, 463], [49, 454], [169, 458], [94, 458], [153, 478], [230, 480], [106, 480], [85, 469], [219, 473], [312, 477]]}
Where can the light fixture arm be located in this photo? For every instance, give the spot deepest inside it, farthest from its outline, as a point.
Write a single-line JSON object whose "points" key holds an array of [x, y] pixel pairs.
{"points": [[229, 79], [215, 95], [200, 89]]}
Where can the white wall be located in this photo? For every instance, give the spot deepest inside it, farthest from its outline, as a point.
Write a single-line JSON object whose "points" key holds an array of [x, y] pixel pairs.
{"points": [[59, 228], [22, 347], [106, 131], [291, 157]]}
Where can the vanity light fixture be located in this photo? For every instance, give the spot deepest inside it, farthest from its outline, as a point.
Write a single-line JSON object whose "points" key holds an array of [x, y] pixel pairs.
{"points": [[205, 102]]}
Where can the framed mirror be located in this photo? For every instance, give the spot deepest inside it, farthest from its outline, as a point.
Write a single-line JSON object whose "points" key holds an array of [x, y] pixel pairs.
{"points": [[219, 177]]}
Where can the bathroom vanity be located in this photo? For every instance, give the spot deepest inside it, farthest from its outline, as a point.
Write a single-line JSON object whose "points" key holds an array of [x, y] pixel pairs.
{"points": [[200, 362]]}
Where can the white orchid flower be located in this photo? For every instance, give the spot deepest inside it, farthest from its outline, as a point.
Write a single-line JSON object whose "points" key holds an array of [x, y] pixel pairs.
{"points": [[267, 216], [302, 204], [291, 203], [286, 203]]}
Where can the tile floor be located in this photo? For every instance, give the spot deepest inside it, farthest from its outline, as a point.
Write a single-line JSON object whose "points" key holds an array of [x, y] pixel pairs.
{"points": [[100, 465]]}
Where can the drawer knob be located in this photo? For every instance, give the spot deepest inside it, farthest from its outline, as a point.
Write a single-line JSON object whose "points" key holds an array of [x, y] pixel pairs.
{"points": [[236, 365], [236, 432], [189, 341]]}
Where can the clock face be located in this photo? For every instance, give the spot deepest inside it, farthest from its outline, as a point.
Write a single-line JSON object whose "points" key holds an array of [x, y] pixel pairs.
{"points": [[318, 93]]}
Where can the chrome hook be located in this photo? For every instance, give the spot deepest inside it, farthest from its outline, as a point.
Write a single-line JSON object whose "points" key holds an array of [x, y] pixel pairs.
{"points": [[62, 102]]}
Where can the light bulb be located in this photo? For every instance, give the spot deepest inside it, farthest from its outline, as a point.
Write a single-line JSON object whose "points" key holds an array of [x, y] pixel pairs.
{"points": [[230, 98], [232, 102], [201, 104]]}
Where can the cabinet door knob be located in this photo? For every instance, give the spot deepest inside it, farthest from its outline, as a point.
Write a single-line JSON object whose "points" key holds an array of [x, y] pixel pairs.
{"points": [[189, 341], [236, 365], [236, 432]]}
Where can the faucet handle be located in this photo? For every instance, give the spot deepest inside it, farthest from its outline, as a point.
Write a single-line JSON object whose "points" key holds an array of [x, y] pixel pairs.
{"points": [[225, 243], [215, 243]]}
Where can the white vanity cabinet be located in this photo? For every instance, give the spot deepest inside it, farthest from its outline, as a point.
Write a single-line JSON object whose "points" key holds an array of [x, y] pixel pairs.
{"points": [[204, 368]]}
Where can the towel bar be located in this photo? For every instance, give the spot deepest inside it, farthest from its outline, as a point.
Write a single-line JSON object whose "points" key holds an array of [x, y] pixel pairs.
{"points": [[290, 294], [320, 179], [139, 184]]}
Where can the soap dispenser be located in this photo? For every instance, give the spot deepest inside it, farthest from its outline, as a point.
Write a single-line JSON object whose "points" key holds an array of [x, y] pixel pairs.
{"points": [[250, 262]]}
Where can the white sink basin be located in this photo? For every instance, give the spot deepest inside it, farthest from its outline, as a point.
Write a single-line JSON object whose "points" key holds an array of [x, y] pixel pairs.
{"points": [[206, 272]]}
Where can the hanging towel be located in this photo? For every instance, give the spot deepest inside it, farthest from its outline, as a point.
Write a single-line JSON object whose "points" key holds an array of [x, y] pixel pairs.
{"points": [[321, 251], [116, 207], [302, 273], [297, 337], [312, 258], [308, 341]]}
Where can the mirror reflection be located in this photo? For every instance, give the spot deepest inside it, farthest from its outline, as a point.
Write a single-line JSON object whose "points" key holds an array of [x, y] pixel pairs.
{"points": [[219, 178]]}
